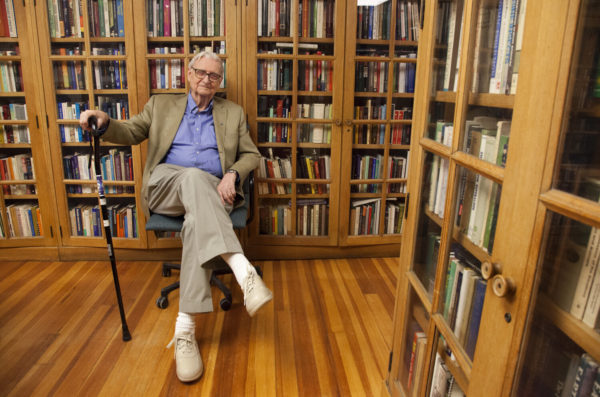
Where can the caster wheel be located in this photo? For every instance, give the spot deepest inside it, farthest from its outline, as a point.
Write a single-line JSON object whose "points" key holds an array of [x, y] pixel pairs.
{"points": [[162, 302], [166, 272], [225, 304]]}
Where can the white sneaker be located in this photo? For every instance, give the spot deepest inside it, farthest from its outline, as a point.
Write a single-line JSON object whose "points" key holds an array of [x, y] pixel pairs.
{"points": [[256, 293], [187, 357]]}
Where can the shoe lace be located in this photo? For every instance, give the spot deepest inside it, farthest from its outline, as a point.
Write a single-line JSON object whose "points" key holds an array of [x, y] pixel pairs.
{"points": [[248, 285], [183, 343]]}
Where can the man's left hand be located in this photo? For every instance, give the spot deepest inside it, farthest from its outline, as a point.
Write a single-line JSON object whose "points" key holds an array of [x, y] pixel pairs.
{"points": [[226, 188]]}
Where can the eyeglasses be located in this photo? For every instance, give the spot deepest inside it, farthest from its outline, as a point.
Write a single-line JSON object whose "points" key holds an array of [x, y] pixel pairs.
{"points": [[201, 74]]}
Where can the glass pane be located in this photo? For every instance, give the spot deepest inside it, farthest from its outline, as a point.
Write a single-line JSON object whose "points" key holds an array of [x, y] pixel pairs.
{"points": [[487, 133], [275, 217], [443, 382], [463, 297], [448, 37], [312, 217], [580, 157], [430, 223], [274, 20], [412, 367], [497, 47], [478, 201], [561, 356]]}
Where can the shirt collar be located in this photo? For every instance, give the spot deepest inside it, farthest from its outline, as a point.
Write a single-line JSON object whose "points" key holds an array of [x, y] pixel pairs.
{"points": [[192, 108]]}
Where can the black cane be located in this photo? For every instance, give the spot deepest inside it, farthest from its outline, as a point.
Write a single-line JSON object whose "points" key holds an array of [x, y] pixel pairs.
{"points": [[93, 122]]}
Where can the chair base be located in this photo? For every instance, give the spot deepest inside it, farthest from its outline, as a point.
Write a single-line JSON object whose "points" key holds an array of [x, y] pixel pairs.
{"points": [[163, 300]]}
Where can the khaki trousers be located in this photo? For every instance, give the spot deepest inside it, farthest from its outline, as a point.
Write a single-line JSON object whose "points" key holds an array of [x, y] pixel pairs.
{"points": [[207, 230]]}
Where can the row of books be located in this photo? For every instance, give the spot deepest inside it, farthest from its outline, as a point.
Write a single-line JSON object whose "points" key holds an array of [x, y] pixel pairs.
{"points": [[13, 111], [321, 111], [24, 220], [11, 77], [315, 75], [275, 220], [69, 75], [110, 75], [375, 134], [443, 383], [394, 216], [577, 286], [364, 217], [165, 18], [274, 132], [373, 22], [498, 44], [404, 77], [415, 362], [166, 73], [106, 17], [464, 294], [273, 18], [65, 18], [86, 220], [14, 134], [438, 179], [371, 111], [479, 197], [68, 110], [274, 74], [8, 25], [72, 133], [270, 106], [314, 167], [116, 107], [207, 18], [17, 168], [408, 23], [117, 165], [315, 18], [448, 36], [274, 168], [312, 217], [314, 133]]}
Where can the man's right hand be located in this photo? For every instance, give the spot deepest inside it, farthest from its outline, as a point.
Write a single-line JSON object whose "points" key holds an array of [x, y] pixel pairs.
{"points": [[100, 116]]}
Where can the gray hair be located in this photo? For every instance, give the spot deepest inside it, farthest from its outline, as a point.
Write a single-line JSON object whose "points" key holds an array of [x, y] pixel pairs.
{"points": [[206, 54]]}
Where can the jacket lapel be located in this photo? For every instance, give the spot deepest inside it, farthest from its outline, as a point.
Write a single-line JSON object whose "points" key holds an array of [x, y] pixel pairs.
{"points": [[219, 118]]}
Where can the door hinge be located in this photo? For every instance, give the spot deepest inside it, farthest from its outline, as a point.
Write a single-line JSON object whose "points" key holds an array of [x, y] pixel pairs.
{"points": [[390, 362], [47, 122], [51, 232], [406, 201], [37, 122], [60, 230]]}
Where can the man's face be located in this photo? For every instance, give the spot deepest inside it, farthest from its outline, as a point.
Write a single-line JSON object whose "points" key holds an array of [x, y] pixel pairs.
{"points": [[204, 86]]}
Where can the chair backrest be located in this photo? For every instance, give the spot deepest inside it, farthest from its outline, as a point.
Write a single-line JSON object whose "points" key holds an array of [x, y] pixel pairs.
{"points": [[240, 216]]}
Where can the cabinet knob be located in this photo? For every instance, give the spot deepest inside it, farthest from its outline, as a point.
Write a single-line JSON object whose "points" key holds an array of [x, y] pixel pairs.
{"points": [[503, 286], [489, 269], [348, 122]]}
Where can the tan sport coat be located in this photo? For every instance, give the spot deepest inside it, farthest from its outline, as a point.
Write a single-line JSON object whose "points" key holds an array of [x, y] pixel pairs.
{"points": [[158, 122]]}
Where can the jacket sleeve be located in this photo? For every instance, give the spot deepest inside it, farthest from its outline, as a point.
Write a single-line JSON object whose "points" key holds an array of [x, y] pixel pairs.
{"points": [[132, 131]]}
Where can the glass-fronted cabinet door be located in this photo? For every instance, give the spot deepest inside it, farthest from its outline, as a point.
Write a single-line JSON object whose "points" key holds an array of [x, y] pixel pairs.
{"points": [[294, 103], [471, 214], [381, 53], [561, 352]]}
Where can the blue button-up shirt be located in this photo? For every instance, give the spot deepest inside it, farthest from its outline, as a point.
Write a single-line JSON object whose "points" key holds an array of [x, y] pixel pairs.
{"points": [[195, 144]]}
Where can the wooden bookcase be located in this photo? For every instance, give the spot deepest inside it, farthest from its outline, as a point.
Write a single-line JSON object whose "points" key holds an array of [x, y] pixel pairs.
{"points": [[513, 332], [381, 55], [87, 60], [27, 192], [164, 47], [307, 100]]}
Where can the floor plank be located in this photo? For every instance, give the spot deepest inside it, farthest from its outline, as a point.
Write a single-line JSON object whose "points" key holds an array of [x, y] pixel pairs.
{"points": [[327, 332]]}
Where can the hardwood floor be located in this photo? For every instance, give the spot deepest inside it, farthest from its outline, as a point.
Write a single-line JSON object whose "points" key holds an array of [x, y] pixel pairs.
{"points": [[327, 332]]}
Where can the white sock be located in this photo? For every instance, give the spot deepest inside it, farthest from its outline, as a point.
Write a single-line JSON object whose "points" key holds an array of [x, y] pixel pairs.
{"points": [[239, 264], [185, 324]]}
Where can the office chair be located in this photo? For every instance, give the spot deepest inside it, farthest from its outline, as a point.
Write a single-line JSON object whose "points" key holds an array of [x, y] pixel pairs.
{"points": [[240, 217]]}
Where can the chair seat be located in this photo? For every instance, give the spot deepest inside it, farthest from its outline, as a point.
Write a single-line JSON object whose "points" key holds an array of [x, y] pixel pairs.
{"points": [[163, 223]]}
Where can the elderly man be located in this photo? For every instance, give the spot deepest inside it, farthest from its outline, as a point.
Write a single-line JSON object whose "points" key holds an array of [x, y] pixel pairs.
{"points": [[199, 152]]}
